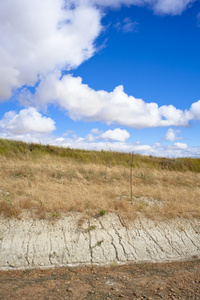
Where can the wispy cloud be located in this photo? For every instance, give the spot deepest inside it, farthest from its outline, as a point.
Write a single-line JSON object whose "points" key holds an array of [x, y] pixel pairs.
{"points": [[171, 7], [127, 25]]}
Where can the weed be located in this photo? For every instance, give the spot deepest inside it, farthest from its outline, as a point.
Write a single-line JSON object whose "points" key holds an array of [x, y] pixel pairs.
{"points": [[71, 174], [102, 212], [87, 205], [90, 228], [5, 197], [29, 183], [59, 174], [54, 254], [55, 214], [98, 244], [41, 203]]}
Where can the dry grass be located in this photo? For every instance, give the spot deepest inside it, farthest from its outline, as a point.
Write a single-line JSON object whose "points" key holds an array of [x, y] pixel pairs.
{"points": [[48, 186]]}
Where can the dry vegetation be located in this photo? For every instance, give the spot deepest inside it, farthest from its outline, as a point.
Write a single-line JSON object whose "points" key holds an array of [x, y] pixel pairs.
{"points": [[49, 181]]}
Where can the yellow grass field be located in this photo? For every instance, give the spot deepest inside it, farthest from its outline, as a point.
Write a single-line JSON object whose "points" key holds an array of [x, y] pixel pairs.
{"points": [[47, 185]]}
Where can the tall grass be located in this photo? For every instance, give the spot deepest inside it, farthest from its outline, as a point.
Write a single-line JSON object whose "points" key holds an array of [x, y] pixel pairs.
{"points": [[21, 150], [47, 181]]}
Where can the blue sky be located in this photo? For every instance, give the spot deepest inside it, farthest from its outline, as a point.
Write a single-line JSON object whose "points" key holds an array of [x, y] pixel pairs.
{"points": [[122, 76]]}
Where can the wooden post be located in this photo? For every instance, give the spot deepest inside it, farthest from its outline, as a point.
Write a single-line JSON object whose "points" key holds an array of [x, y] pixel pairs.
{"points": [[131, 174]]}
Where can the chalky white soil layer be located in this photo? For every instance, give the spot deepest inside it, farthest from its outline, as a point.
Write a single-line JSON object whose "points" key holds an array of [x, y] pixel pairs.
{"points": [[34, 243]]}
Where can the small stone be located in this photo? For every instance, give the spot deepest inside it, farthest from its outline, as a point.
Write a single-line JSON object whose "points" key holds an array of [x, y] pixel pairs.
{"points": [[69, 289]]}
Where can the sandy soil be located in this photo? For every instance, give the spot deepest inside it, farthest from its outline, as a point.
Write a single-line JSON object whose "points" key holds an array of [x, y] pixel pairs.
{"points": [[176, 280]]}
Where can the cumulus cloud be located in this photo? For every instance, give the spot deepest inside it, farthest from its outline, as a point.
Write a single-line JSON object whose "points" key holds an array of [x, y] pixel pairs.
{"points": [[116, 135], [195, 110], [38, 37], [84, 103], [172, 7], [171, 135], [26, 121]]}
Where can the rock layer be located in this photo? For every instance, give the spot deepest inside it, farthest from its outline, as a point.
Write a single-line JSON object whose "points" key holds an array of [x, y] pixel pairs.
{"points": [[30, 243]]}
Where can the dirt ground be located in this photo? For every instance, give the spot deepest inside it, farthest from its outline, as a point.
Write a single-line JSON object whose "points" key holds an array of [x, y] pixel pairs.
{"points": [[176, 280]]}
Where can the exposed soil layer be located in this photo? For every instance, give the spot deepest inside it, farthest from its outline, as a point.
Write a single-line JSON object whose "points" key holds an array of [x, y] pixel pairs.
{"points": [[28, 243], [176, 280]]}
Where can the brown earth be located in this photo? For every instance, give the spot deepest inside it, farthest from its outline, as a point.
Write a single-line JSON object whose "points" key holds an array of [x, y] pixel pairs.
{"points": [[175, 280]]}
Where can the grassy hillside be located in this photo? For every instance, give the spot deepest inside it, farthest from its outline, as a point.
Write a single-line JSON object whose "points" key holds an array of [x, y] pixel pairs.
{"points": [[47, 181], [21, 150]]}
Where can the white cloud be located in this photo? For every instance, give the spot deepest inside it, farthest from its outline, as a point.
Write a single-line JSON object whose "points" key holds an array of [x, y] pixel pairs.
{"points": [[116, 135], [195, 110], [171, 135], [38, 37], [96, 131], [83, 103], [41, 37], [26, 121], [172, 7], [180, 145]]}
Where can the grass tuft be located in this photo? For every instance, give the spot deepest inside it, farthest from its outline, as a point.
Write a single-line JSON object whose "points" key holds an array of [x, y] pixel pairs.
{"points": [[102, 212]]}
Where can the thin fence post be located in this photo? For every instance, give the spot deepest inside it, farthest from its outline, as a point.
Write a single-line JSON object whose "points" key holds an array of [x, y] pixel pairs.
{"points": [[131, 175]]}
